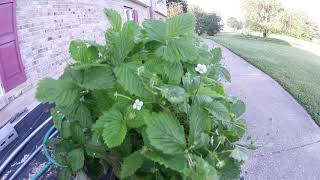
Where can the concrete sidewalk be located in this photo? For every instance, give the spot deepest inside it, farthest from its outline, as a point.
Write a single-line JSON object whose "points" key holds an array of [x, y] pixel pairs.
{"points": [[273, 116]]}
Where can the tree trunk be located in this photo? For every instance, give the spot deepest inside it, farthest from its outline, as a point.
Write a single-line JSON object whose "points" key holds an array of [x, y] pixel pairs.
{"points": [[264, 33]]}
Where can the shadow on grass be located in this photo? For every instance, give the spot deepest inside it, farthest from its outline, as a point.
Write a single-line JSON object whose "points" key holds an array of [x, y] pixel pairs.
{"points": [[255, 38]]}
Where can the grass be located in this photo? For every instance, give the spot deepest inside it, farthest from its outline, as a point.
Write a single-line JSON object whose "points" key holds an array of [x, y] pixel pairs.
{"points": [[297, 70]]}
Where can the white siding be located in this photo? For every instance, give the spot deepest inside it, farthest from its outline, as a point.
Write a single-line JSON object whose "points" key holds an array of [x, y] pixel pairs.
{"points": [[143, 2], [160, 6]]}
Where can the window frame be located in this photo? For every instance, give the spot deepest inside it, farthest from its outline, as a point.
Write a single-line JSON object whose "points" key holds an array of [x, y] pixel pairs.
{"points": [[128, 13]]}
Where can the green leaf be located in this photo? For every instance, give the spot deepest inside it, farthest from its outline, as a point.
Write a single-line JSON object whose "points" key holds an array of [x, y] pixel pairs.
{"points": [[106, 103], [190, 83], [181, 24], [238, 108], [122, 43], [217, 55], [98, 78], [131, 164], [81, 53], [166, 134], [65, 174], [174, 94], [232, 135], [128, 78], [78, 113], [177, 50], [223, 73], [76, 159], [73, 75], [219, 111], [61, 92], [84, 66], [114, 19], [124, 150], [95, 147], [240, 153], [155, 30], [169, 53], [174, 71], [209, 92], [199, 123], [113, 126], [219, 89], [94, 168], [77, 50], [240, 127], [78, 134], [66, 129], [155, 65], [56, 119], [175, 162], [186, 49], [205, 57], [230, 170], [137, 119], [204, 171]]}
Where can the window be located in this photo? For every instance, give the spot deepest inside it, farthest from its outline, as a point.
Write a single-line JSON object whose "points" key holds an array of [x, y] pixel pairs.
{"points": [[128, 13], [131, 14]]}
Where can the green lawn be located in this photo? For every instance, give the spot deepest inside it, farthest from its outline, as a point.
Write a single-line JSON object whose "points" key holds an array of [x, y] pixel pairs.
{"points": [[298, 71]]}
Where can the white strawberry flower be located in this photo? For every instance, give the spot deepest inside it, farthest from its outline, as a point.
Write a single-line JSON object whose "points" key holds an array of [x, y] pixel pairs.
{"points": [[201, 68], [137, 104]]}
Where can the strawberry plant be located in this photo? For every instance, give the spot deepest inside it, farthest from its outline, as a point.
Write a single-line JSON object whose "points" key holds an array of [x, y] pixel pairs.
{"points": [[149, 104]]}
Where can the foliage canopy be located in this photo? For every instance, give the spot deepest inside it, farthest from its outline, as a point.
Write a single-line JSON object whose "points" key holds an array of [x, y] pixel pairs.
{"points": [[295, 24], [234, 23], [207, 23], [268, 16], [183, 4], [259, 14]]}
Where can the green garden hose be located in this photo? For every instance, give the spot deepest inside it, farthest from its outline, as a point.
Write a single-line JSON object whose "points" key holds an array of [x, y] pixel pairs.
{"points": [[51, 160]]}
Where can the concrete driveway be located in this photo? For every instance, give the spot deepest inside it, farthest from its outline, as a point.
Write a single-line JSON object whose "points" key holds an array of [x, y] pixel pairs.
{"points": [[274, 117]]}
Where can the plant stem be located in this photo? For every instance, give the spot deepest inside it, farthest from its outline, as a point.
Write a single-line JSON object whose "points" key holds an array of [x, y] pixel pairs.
{"points": [[231, 123], [123, 96], [157, 88]]}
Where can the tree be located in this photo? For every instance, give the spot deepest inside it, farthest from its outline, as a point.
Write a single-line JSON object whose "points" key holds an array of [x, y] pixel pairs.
{"points": [[233, 23], [174, 9], [259, 14], [295, 24], [209, 23], [183, 3]]}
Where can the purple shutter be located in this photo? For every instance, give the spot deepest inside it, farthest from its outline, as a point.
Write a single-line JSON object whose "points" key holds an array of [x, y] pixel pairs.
{"points": [[11, 68], [135, 16]]}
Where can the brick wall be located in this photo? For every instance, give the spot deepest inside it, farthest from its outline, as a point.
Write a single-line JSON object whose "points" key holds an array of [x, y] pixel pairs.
{"points": [[45, 28]]}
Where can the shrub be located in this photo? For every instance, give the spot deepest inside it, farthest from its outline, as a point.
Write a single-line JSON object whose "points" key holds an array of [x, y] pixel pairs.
{"points": [[206, 23], [234, 23], [295, 24], [174, 9], [149, 104], [183, 4]]}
